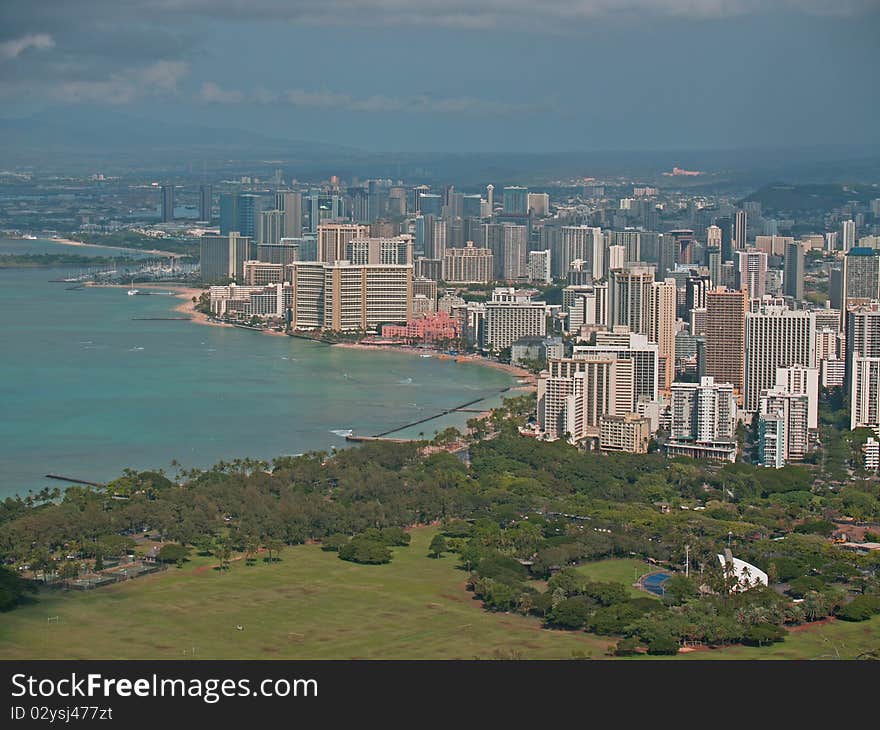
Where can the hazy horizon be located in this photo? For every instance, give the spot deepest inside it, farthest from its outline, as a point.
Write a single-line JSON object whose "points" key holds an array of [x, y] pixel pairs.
{"points": [[455, 77]]}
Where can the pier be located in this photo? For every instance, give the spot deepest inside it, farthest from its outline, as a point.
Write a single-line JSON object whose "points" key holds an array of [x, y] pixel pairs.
{"points": [[73, 480], [463, 408]]}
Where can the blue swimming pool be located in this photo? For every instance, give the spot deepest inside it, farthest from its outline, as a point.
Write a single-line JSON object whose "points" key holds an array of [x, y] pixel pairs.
{"points": [[654, 583]]}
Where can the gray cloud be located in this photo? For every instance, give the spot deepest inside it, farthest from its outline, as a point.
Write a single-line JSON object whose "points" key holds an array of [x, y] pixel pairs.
{"points": [[123, 87], [213, 93], [14, 47]]}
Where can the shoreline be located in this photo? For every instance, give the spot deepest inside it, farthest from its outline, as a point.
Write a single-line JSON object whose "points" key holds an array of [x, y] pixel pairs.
{"points": [[512, 370], [71, 242]]}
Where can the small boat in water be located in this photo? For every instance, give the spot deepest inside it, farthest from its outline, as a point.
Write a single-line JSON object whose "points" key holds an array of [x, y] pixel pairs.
{"points": [[132, 291]]}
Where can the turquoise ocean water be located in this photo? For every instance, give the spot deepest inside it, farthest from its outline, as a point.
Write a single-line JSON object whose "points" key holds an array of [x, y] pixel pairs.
{"points": [[85, 390]]}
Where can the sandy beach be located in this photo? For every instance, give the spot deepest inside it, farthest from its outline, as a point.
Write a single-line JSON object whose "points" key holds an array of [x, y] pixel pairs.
{"points": [[472, 359], [156, 251]]}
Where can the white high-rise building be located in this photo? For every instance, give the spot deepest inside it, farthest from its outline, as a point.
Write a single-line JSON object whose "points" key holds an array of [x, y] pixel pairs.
{"points": [[794, 409], [575, 393], [510, 316], [799, 380], [630, 346], [661, 328], [539, 267], [865, 392], [703, 419], [751, 272], [571, 243], [775, 337], [848, 234], [629, 290]]}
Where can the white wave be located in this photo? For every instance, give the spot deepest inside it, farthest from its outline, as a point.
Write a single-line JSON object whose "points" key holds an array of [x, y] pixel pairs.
{"points": [[342, 432]]}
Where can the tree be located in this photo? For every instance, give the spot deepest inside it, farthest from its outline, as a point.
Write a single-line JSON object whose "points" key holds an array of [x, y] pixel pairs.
{"points": [[438, 546], [570, 613], [13, 588], [363, 550], [172, 553]]}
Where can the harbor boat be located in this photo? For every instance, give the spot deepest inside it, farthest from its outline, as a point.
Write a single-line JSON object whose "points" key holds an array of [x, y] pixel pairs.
{"points": [[132, 291]]}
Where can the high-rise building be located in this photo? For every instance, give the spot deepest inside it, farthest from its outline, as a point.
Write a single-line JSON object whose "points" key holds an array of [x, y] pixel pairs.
{"points": [[751, 272], [740, 230], [374, 251], [577, 243], [861, 275], [848, 234], [726, 226], [539, 267], [290, 202], [167, 203], [574, 394], [333, 240], [629, 433], [631, 241], [725, 336], [801, 381], [793, 276], [431, 204], [431, 237], [284, 252], [271, 226], [509, 246], [703, 412], [222, 257], [539, 204], [468, 265], [516, 200], [626, 345], [865, 392], [490, 199], [342, 296], [776, 337], [510, 316], [206, 203], [630, 296], [240, 213], [661, 328]]}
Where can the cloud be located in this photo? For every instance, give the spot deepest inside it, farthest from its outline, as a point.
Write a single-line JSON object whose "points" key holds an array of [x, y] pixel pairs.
{"points": [[157, 79], [211, 92], [15, 47]]}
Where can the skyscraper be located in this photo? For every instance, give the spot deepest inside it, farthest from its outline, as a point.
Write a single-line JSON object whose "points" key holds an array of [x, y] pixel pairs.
{"points": [[776, 337], [848, 234], [740, 230], [509, 247], [630, 297], [167, 203], [861, 275], [577, 243], [271, 227], [290, 202], [516, 200], [725, 335], [793, 276], [239, 213], [222, 257], [333, 240], [661, 328], [206, 203], [751, 272], [726, 226]]}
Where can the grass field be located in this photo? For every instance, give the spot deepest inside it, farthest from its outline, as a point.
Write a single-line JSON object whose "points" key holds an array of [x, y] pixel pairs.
{"points": [[312, 605], [618, 570]]}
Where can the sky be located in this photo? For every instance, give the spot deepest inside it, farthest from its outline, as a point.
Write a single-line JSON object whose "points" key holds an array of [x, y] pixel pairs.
{"points": [[460, 75]]}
